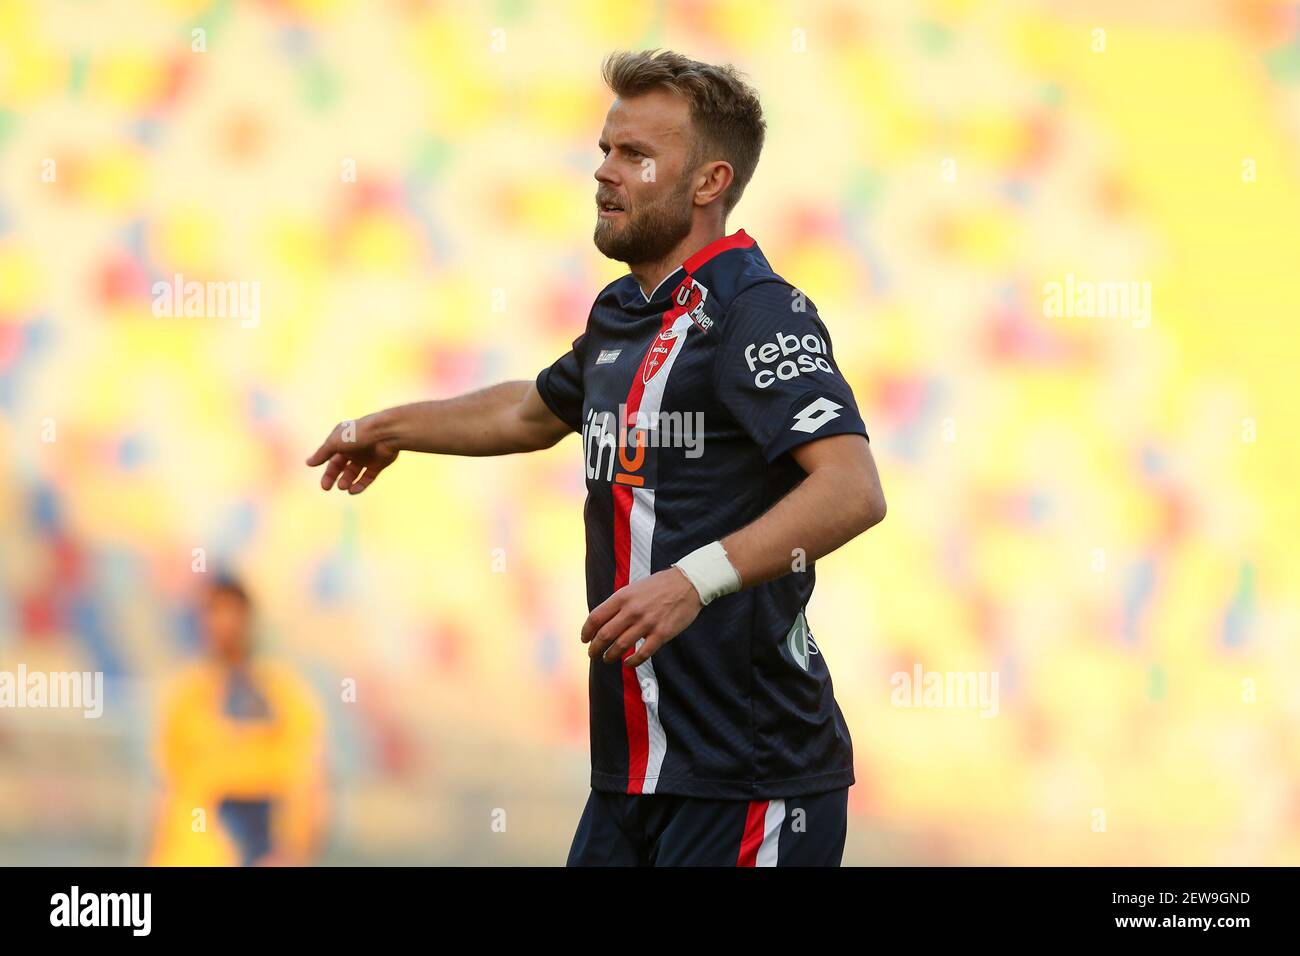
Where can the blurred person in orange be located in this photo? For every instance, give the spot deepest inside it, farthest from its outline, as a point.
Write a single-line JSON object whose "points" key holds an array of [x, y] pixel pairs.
{"points": [[240, 749]]}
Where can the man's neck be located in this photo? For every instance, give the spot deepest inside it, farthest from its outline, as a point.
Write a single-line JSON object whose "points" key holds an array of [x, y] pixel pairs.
{"points": [[649, 275]]}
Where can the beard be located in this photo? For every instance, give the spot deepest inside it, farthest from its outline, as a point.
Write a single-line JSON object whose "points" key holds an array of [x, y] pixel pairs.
{"points": [[650, 233]]}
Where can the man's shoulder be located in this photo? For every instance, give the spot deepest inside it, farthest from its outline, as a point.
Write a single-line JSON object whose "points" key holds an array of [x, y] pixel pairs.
{"points": [[617, 290], [747, 287], [765, 298]]}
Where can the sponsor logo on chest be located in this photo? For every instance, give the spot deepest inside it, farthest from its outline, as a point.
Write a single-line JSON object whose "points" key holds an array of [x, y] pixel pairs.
{"points": [[615, 445], [789, 356]]}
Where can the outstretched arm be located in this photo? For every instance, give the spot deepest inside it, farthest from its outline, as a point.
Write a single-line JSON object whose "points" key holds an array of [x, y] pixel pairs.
{"points": [[840, 498], [499, 420]]}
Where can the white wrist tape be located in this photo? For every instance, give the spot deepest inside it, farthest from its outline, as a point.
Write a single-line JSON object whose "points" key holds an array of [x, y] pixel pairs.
{"points": [[710, 570]]}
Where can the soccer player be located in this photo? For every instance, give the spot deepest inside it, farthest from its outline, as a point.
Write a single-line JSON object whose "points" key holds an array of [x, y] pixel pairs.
{"points": [[241, 740], [724, 454]]}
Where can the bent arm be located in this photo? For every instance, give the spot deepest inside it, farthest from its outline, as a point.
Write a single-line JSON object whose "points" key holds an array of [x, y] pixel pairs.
{"points": [[840, 498]]}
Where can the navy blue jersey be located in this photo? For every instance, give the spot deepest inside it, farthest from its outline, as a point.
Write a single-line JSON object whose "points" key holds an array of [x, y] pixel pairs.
{"points": [[688, 403]]}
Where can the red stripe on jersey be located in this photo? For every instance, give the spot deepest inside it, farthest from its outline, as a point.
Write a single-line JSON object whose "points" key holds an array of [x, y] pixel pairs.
{"points": [[753, 836], [634, 714], [737, 240]]}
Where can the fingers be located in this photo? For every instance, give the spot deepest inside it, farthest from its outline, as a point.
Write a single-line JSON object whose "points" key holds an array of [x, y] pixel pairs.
{"points": [[328, 449], [352, 475], [335, 468], [613, 629], [625, 644], [364, 479], [601, 616], [651, 644], [322, 454], [604, 642], [349, 475]]}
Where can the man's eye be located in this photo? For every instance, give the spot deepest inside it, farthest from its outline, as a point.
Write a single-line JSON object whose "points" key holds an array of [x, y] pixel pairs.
{"points": [[634, 153]]}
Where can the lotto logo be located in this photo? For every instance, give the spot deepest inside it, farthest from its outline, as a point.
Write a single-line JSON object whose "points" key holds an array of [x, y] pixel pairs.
{"points": [[815, 415], [793, 357]]}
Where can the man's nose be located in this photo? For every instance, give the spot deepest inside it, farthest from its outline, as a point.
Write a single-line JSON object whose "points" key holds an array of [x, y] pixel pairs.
{"points": [[605, 173]]}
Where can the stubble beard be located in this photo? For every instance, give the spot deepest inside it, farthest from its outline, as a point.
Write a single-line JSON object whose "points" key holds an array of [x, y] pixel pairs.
{"points": [[651, 233]]}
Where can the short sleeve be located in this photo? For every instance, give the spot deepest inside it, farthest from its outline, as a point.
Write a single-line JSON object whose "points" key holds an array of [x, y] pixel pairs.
{"points": [[775, 372], [560, 385]]}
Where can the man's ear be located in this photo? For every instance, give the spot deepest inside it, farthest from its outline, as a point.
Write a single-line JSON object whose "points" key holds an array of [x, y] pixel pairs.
{"points": [[713, 179]]}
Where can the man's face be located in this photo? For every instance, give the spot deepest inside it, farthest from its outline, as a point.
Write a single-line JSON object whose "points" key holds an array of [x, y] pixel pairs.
{"points": [[225, 628], [644, 200]]}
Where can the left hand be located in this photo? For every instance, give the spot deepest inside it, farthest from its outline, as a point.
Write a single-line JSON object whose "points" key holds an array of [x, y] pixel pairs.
{"points": [[657, 608]]}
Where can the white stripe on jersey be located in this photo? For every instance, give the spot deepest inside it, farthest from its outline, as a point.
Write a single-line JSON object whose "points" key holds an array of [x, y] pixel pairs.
{"points": [[641, 529], [772, 822]]}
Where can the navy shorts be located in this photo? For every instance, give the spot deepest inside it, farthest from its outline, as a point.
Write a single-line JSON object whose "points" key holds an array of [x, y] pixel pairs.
{"points": [[621, 829]]}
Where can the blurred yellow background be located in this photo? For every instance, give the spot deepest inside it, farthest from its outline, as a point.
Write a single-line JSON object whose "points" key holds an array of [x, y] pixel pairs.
{"points": [[1097, 508]]}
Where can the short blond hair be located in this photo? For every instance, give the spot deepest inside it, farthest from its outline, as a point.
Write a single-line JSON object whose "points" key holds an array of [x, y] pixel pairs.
{"points": [[725, 110]]}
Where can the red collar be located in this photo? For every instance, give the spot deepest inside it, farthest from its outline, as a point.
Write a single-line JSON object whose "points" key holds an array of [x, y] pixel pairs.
{"points": [[737, 240]]}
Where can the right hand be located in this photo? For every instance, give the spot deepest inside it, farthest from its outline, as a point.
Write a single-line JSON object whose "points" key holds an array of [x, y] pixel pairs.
{"points": [[355, 455]]}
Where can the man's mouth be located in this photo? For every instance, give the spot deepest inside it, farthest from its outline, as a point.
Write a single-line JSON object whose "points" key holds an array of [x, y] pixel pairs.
{"points": [[609, 208]]}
